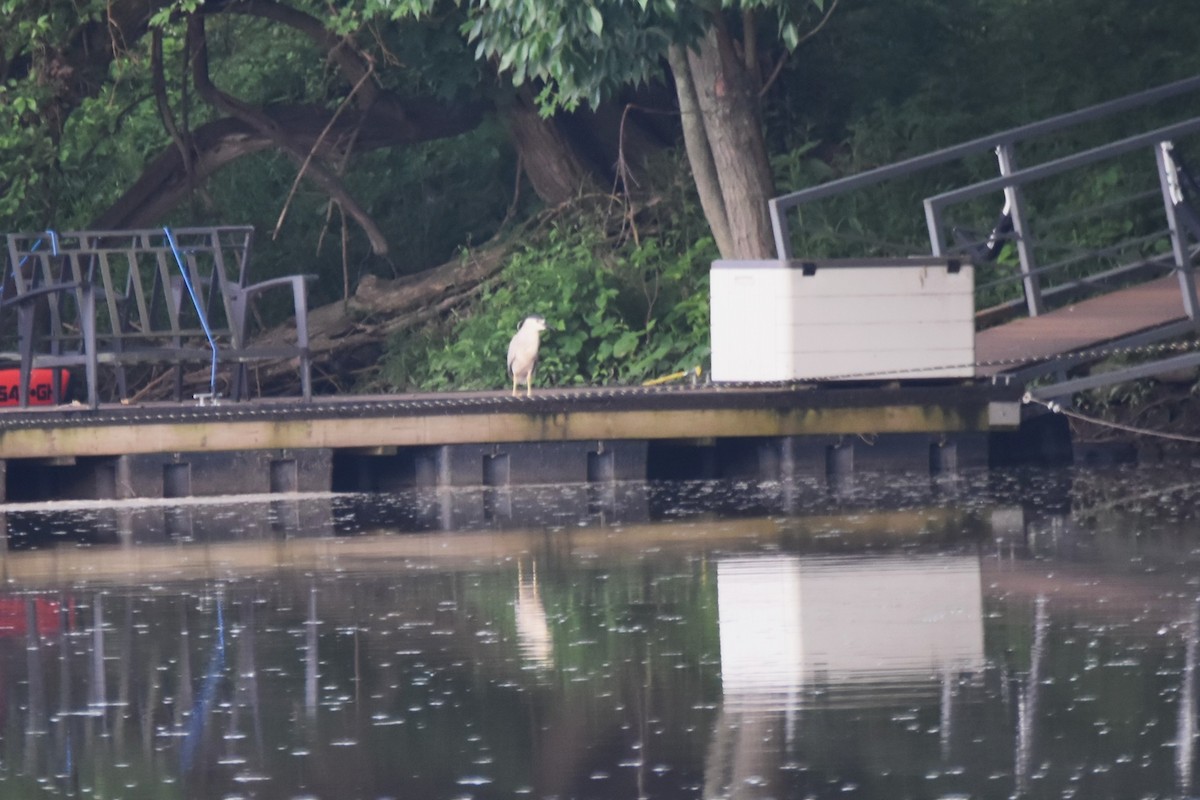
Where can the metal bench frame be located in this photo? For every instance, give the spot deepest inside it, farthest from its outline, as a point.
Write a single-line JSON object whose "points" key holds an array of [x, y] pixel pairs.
{"points": [[120, 298]]}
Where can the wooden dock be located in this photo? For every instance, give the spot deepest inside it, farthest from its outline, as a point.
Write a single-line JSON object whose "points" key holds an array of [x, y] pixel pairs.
{"points": [[1085, 325], [578, 435], [491, 438]]}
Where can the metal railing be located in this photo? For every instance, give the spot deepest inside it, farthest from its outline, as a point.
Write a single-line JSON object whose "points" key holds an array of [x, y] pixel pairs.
{"points": [[1010, 183], [1144, 223], [142, 297], [780, 206]]}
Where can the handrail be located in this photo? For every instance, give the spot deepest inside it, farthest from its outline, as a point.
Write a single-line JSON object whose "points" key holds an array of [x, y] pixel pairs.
{"points": [[778, 206], [1059, 165], [1017, 178]]}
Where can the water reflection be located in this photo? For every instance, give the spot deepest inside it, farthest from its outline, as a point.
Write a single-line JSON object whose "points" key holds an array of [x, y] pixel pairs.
{"points": [[1185, 738], [804, 633], [533, 626], [1012, 635], [863, 626], [1027, 705]]}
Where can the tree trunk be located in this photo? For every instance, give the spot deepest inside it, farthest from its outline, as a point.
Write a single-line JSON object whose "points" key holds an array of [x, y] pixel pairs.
{"points": [[551, 164], [695, 142], [733, 133]]}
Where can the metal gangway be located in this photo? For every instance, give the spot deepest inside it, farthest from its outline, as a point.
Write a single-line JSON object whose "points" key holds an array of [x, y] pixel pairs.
{"points": [[1064, 282]]}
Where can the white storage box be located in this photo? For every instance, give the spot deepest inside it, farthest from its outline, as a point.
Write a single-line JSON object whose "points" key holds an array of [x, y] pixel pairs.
{"points": [[865, 319]]}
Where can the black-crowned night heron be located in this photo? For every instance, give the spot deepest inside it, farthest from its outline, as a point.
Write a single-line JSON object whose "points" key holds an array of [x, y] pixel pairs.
{"points": [[523, 351]]}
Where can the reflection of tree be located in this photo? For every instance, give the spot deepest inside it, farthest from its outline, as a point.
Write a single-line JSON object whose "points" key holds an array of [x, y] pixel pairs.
{"points": [[65, 748], [245, 694], [35, 726], [311, 668]]}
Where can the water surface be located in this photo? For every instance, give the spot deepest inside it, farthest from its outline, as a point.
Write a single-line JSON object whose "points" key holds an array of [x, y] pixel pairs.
{"points": [[1000, 635]]}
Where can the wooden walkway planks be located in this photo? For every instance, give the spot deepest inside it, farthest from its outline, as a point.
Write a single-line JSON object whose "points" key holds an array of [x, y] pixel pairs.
{"points": [[596, 414], [1079, 326]]}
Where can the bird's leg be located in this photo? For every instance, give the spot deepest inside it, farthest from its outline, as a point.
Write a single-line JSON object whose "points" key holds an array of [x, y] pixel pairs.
{"points": [[528, 388]]}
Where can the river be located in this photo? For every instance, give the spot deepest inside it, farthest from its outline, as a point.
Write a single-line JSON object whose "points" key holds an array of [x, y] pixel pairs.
{"points": [[995, 635]]}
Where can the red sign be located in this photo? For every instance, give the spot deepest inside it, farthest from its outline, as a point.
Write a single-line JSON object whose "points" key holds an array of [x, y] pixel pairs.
{"points": [[41, 389]]}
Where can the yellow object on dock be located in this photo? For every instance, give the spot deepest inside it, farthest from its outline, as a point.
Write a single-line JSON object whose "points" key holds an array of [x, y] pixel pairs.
{"points": [[674, 376]]}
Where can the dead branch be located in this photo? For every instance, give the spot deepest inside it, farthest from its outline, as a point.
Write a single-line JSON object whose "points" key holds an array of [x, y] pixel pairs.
{"points": [[312, 151], [256, 119]]}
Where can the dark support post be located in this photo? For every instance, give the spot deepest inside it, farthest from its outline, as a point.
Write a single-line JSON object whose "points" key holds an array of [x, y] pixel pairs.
{"points": [[104, 477], [787, 459], [177, 480], [285, 477], [943, 458], [444, 466], [777, 458], [600, 466], [839, 460], [496, 470]]}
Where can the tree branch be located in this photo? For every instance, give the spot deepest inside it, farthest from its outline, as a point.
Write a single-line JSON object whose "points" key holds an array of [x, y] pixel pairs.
{"points": [[163, 183], [159, 84], [313, 151], [266, 126], [783, 58], [355, 65]]}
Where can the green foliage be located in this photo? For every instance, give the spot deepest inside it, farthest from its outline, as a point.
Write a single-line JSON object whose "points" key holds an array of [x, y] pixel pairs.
{"points": [[583, 52], [614, 316], [579, 51], [30, 123], [163, 17], [25, 146]]}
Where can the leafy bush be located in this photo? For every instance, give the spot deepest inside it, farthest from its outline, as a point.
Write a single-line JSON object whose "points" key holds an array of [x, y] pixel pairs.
{"points": [[614, 316]]}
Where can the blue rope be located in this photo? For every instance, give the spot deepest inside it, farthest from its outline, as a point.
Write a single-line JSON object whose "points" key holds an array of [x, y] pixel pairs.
{"points": [[187, 281]]}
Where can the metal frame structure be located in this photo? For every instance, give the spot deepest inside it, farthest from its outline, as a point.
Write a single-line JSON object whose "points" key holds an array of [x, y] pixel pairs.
{"points": [[1180, 218], [118, 298]]}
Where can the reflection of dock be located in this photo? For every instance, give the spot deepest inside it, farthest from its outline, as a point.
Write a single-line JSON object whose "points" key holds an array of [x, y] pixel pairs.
{"points": [[389, 550]]}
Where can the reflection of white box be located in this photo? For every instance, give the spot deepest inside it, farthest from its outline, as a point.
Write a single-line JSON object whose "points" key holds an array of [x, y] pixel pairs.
{"points": [[788, 622], [844, 319]]}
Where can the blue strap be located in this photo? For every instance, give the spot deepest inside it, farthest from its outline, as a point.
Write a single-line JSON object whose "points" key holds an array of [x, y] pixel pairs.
{"points": [[207, 696], [187, 281]]}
